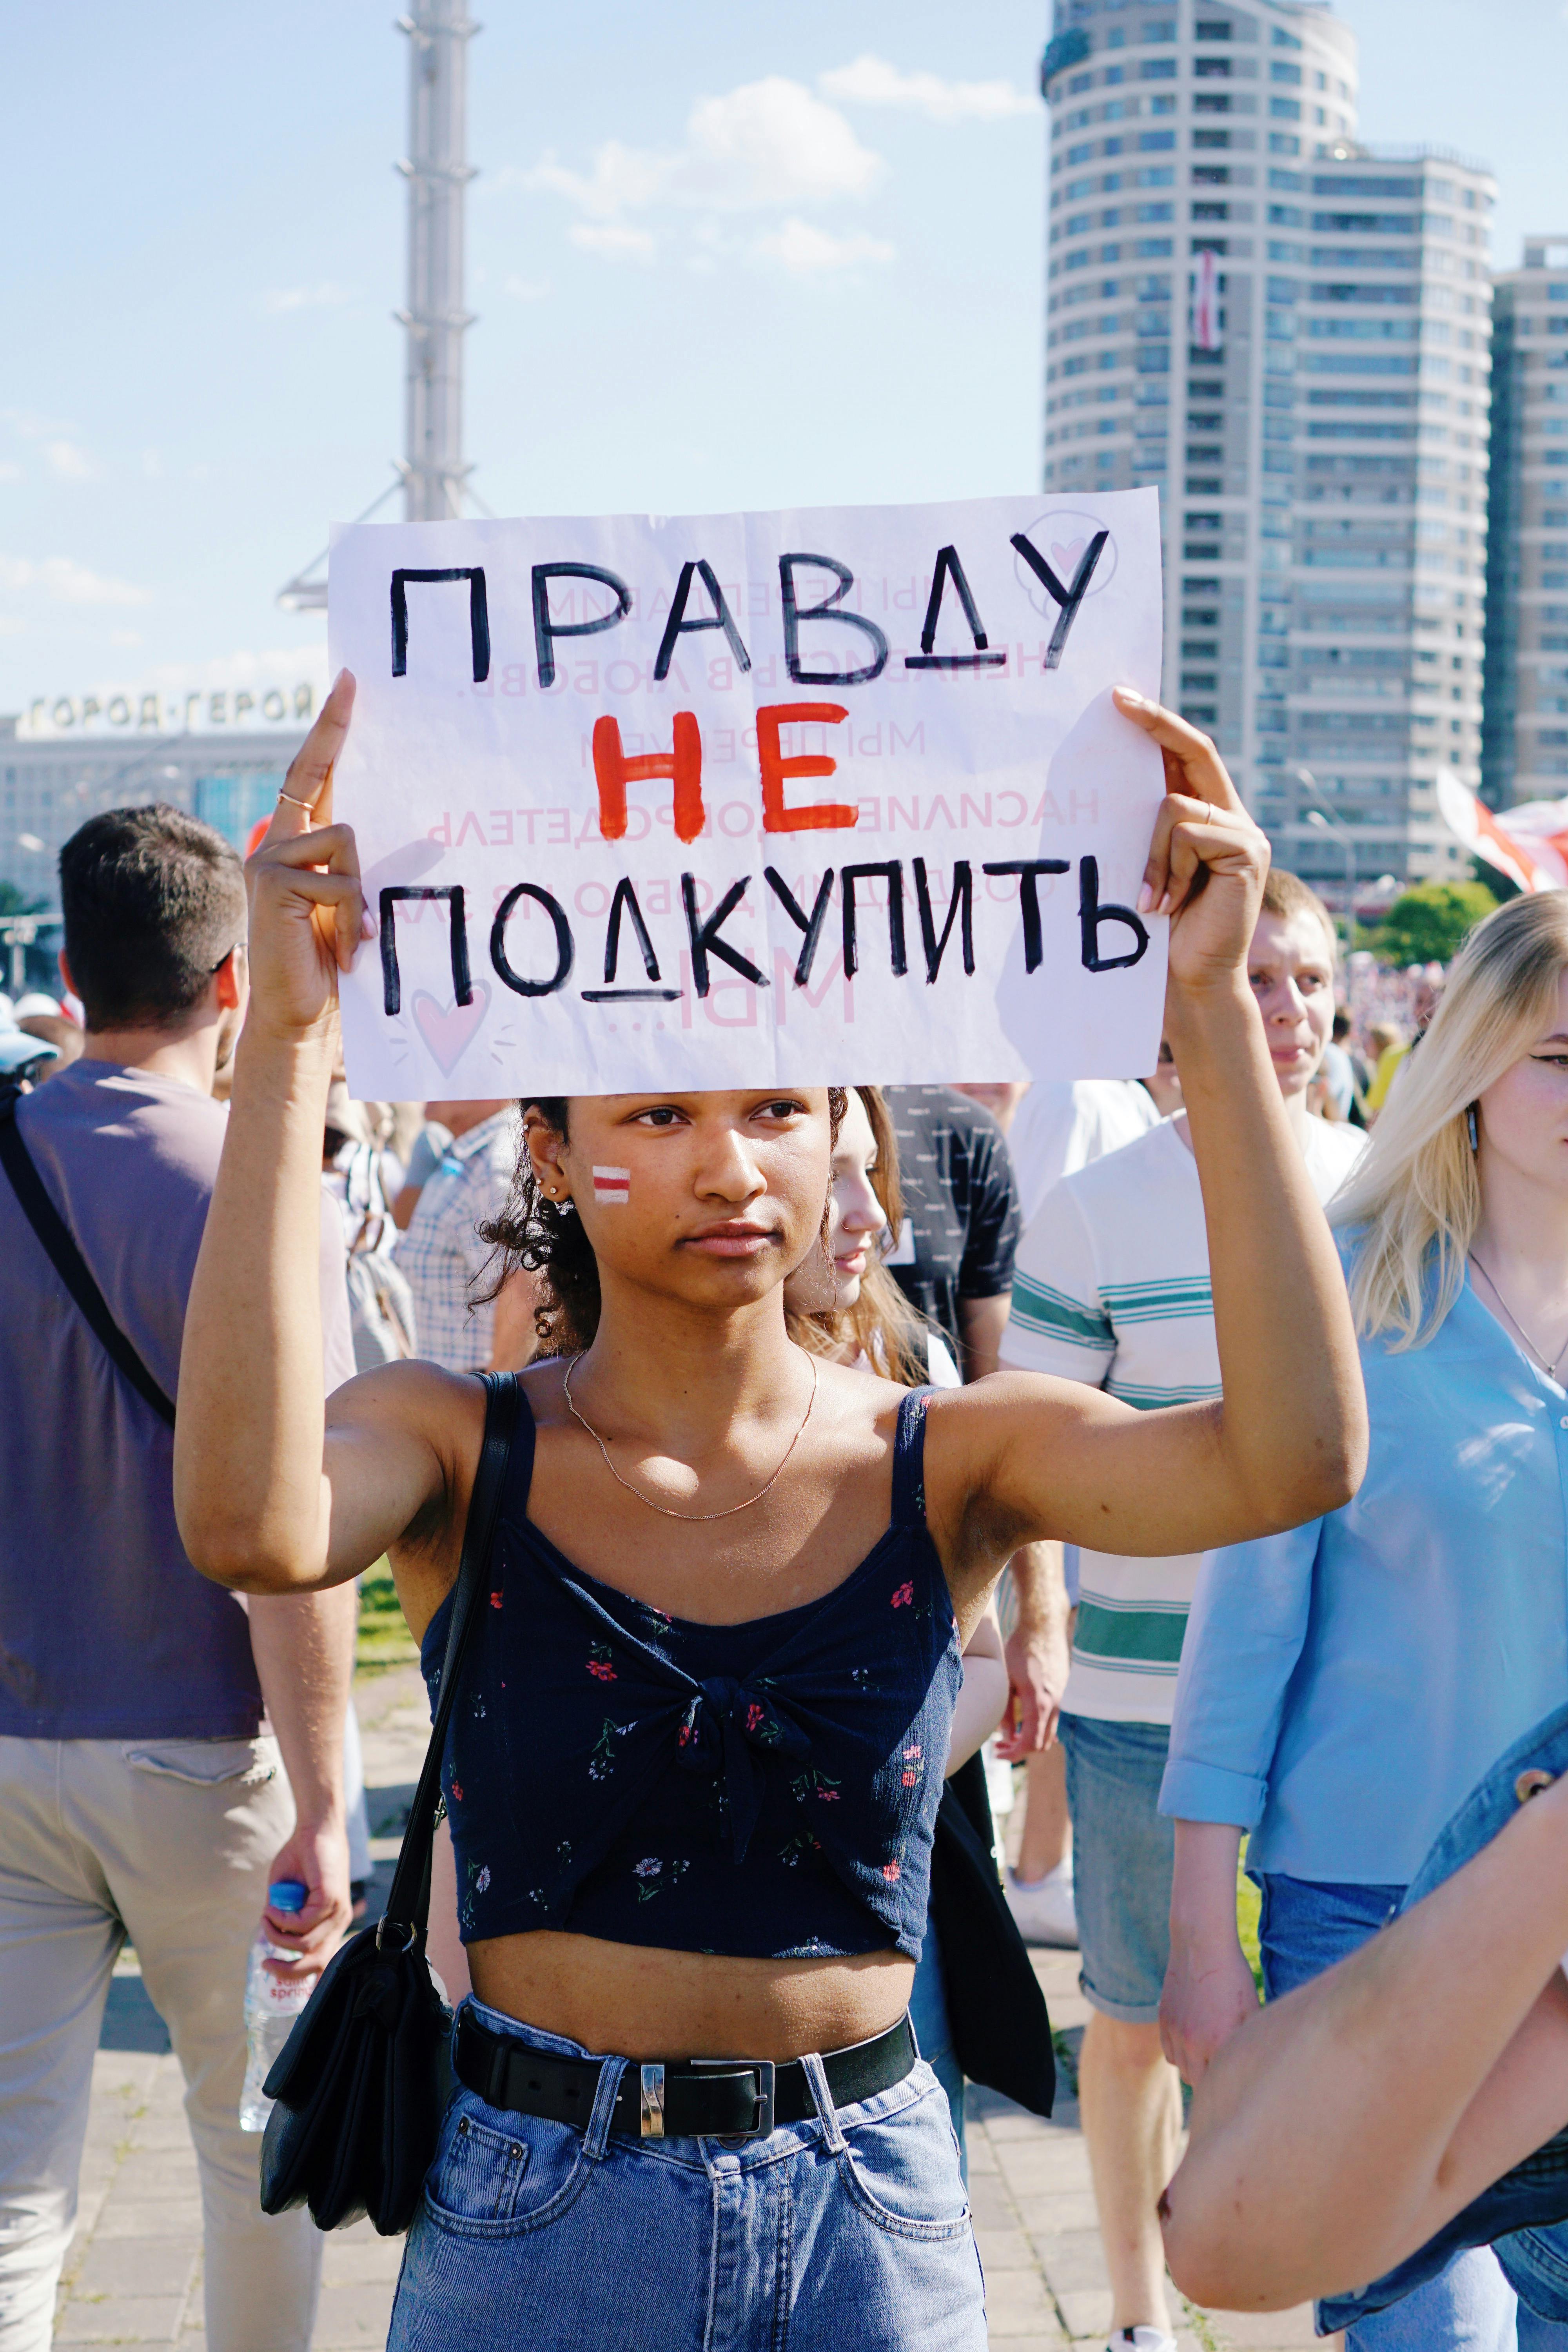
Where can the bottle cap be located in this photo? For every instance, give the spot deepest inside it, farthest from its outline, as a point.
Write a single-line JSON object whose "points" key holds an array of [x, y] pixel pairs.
{"points": [[286, 1894]]}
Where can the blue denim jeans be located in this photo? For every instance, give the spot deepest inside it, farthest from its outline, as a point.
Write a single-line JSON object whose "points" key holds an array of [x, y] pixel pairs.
{"points": [[852, 2226], [1458, 2304], [1523, 2216]]}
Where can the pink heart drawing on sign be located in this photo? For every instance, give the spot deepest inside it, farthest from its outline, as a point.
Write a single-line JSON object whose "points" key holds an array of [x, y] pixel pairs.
{"points": [[448, 1029], [1068, 559]]}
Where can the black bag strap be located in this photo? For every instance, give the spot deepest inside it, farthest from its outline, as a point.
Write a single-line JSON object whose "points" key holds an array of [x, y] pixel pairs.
{"points": [[408, 1904], [68, 1261]]}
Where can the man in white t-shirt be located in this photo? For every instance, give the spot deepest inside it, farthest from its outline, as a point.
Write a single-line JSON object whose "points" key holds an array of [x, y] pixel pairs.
{"points": [[1111, 1288]]}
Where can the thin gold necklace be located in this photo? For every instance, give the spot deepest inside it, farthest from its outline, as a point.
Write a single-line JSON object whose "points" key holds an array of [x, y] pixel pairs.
{"points": [[1549, 1365], [663, 1509]]}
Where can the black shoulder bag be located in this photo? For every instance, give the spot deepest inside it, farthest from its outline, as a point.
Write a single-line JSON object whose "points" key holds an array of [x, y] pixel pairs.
{"points": [[362, 2080], [1001, 2032]]}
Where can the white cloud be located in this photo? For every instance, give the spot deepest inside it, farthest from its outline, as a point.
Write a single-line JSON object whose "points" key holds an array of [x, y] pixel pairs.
{"points": [[30, 425], [66, 582], [325, 296], [766, 143], [70, 462], [527, 290], [872, 81], [804, 250], [614, 239]]}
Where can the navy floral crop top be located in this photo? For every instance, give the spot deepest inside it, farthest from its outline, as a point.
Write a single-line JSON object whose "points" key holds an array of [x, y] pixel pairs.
{"points": [[767, 1789]]}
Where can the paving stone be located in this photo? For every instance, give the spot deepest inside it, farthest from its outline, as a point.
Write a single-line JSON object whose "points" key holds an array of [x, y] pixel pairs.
{"points": [[120, 2319], [351, 2317], [153, 2267], [1004, 2250], [1087, 2310], [1017, 2303], [1071, 2259], [152, 2217]]}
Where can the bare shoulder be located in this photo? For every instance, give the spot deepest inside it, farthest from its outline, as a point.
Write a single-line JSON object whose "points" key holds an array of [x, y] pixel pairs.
{"points": [[417, 1399], [989, 1448]]}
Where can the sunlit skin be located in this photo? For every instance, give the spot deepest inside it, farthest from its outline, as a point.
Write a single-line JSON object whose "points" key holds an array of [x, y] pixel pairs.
{"points": [[697, 1391]]}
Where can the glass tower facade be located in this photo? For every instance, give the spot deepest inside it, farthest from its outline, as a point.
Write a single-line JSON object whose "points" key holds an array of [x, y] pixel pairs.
{"points": [[1288, 336], [1524, 750]]}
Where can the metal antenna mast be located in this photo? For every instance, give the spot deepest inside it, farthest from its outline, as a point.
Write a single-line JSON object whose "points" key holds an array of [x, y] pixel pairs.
{"points": [[437, 173], [431, 471]]}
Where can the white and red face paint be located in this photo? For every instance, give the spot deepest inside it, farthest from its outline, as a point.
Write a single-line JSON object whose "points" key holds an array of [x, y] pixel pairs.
{"points": [[613, 1186]]}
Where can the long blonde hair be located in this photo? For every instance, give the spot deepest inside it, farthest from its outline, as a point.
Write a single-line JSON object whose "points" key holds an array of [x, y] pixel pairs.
{"points": [[881, 1325], [1417, 1195]]}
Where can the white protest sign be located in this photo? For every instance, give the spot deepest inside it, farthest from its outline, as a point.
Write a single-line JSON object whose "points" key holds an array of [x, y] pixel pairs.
{"points": [[805, 798]]}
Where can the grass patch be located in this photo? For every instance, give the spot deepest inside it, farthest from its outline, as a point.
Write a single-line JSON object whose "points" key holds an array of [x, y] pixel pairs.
{"points": [[384, 1640]]}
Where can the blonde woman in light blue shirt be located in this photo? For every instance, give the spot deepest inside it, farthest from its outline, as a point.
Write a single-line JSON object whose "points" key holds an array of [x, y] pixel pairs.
{"points": [[1344, 1685]]}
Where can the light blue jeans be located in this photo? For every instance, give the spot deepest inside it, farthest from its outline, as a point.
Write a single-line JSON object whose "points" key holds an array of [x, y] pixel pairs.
{"points": [[1304, 1927], [850, 2227]]}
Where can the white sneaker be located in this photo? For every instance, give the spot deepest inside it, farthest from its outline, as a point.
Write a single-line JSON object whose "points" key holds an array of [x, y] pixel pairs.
{"points": [[1140, 2340], [1043, 1909]]}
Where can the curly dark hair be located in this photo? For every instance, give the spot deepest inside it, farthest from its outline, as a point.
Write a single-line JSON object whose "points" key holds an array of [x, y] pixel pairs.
{"points": [[546, 1237]]}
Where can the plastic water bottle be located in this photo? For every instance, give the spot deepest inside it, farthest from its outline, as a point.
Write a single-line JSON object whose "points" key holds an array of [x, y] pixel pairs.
{"points": [[271, 2005]]}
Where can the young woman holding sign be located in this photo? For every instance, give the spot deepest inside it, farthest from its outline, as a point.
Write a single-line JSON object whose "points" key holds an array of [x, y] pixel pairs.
{"points": [[695, 1765]]}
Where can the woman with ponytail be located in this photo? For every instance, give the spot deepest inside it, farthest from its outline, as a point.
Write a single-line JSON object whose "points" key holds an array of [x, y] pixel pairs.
{"points": [[1344, 1686]]}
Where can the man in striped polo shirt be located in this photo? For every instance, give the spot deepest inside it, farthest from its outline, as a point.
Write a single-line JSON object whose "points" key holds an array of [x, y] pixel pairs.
{"points": [[1111, 1288]]}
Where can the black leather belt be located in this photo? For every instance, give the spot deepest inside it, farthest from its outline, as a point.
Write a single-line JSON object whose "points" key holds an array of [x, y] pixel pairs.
{"points": [[685, 2098]]}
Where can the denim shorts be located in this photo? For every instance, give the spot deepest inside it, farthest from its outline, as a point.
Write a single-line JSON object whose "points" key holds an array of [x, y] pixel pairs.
{"points": [[1123, 1858], [850, 2226], [1525, 2216]]}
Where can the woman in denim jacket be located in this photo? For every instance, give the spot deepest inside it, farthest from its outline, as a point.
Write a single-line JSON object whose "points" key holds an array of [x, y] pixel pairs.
{"points": [[1344, 1685]]}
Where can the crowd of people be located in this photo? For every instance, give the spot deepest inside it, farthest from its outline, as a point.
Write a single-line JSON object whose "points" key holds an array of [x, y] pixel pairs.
{"points": [[802, 1574]]}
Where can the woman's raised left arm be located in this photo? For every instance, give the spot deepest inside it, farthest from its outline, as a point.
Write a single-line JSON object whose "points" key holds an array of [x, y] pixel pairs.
{"points": [[1021, 1457]]}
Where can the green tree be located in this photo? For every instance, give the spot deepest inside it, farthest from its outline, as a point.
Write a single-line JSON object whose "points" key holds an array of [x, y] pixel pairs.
{"points": [[14, 901], [1429, 923]]}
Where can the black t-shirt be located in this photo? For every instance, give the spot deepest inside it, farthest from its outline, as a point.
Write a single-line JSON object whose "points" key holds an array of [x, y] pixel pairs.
{"points": [[960, 1204]]}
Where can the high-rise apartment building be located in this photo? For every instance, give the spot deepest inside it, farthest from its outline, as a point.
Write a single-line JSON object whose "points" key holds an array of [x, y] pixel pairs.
{"points": [[1285, 348], [1524, 749], [1388, 592]]}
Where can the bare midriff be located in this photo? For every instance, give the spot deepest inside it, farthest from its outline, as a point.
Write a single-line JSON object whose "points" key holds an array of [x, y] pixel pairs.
{"points": [[636, 2001]]}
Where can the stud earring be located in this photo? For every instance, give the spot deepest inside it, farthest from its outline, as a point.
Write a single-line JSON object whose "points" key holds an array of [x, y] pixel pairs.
{"points": [[1472, 1124]]}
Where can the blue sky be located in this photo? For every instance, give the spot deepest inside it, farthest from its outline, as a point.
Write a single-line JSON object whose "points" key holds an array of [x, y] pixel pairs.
{"points": [[720, 258]]}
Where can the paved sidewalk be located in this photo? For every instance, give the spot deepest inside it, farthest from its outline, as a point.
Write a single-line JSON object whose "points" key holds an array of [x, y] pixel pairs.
{"points": [[133, 2274]]}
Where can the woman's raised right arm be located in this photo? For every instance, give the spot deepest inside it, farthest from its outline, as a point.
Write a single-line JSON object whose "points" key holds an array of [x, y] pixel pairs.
{"points": [[264, 1503]]}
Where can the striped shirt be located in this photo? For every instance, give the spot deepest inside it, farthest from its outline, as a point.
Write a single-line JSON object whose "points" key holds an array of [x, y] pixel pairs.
{"points": [[441, 1255], [1111, 1288]]}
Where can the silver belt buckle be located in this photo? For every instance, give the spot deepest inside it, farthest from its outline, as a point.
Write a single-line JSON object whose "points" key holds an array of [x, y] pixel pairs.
{"points": [[763, 2114], [651, 2126]]}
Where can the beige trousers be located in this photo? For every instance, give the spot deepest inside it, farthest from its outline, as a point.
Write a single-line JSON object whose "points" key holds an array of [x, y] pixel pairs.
{"points": [[167, 1844]]}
